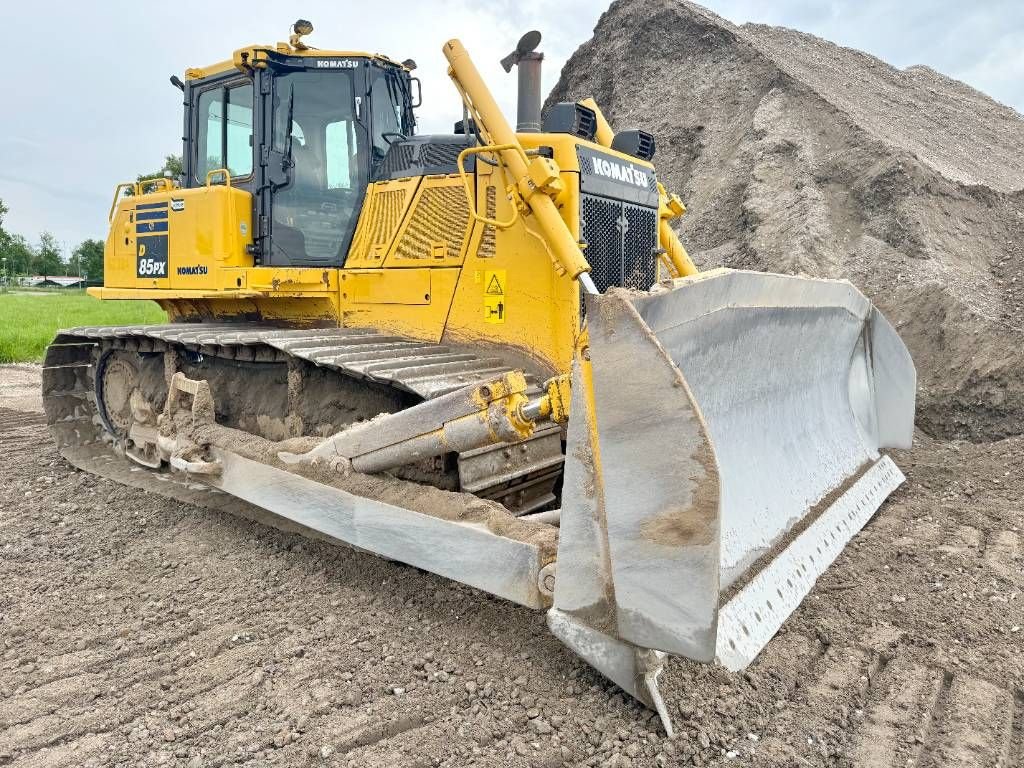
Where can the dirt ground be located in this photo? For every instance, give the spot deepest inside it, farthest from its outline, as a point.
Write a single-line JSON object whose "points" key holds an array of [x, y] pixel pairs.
{"points": [[142, 631]]}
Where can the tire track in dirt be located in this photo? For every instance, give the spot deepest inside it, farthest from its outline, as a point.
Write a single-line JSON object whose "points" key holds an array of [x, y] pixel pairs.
{"points": [[973, 729], [898, 721], [106, 713], [927, 587], [92, 746]]}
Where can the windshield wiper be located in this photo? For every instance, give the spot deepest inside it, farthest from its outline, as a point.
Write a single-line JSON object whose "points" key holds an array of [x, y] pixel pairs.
{"points": [[288, 161], [400, 93]]}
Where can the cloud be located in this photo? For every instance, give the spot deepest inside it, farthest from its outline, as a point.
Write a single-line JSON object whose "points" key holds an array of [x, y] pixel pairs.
{"points": [[88, 103]]}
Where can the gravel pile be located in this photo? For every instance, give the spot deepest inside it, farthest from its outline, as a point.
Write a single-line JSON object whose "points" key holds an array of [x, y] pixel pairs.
{"points": [[796, 155]]}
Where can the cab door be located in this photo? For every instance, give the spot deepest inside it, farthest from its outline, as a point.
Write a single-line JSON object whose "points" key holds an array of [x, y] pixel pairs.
{"points": [[316, 164]]}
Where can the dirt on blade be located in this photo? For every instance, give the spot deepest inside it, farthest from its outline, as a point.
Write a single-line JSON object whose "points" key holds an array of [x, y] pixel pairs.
{"points": [[795, 155]]}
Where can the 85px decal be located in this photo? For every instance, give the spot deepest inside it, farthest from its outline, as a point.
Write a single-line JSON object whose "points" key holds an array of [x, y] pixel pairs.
{"points": [[151, 256]]}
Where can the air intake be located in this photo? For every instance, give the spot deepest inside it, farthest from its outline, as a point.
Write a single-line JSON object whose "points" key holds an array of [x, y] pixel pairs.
{"points": [[636, 143], [572, 118]]}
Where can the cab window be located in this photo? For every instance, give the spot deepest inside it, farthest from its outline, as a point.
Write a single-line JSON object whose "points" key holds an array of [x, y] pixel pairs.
{"points": [[385, 114], [315, 211], [225, 131], [340, 146]]}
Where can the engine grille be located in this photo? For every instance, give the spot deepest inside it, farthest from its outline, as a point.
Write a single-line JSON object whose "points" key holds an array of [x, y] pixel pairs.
{"points": [[441, 154], [425, 155], [621, 242], [397, 160]]}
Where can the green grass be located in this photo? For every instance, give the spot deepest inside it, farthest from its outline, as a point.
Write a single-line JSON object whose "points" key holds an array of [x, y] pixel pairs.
{"points": [[28, 321]]}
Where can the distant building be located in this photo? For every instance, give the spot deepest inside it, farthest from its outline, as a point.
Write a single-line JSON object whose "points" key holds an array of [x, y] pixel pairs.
{"points": [[53, 281]]}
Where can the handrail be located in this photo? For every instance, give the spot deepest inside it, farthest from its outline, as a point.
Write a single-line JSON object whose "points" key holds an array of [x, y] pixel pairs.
{"points": [[161, 183], [215, 171], [132, 185], [496, 149], [137, 189]]}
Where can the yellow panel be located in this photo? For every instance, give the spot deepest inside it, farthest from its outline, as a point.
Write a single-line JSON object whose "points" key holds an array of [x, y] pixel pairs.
{"points": [[210, 229], [256, 55], [539, 309], [416, 321], [436, 227], [288, 280], [386, 286], [178, 238], [382, 213], [119, 253], [161, 294]]}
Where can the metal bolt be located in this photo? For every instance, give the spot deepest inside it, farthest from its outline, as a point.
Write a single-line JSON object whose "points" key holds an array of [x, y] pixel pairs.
{"points": [[546, 580]]}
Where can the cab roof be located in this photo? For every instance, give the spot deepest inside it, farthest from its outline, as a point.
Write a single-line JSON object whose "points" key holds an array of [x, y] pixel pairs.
{"points": [[250, 57]]}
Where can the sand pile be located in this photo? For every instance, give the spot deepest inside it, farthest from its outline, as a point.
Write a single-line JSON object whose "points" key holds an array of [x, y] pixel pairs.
{"points": [[796, 155]]}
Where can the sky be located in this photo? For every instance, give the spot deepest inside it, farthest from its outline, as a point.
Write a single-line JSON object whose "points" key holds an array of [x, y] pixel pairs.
{"points": [[87, 102]]}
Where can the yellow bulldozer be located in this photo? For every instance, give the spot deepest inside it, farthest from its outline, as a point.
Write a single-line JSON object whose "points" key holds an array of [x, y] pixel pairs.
{"points": [[484, 354]]}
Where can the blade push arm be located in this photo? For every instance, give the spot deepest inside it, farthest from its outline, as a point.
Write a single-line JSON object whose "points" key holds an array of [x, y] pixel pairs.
{"points": [[671, 207]]}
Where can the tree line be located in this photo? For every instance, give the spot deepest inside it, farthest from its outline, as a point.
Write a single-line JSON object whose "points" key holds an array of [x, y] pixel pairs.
{"points": [[19, 257]]}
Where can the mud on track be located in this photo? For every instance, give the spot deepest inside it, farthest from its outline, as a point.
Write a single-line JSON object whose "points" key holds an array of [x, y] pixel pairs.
{"points": [[141, 631]]}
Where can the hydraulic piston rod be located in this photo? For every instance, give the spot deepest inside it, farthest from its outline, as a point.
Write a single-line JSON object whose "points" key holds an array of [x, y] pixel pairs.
{"points": [[485, 414]]}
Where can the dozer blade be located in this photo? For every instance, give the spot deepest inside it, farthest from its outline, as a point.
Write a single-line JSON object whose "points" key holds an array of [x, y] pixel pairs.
{"points": [[723, 449]]}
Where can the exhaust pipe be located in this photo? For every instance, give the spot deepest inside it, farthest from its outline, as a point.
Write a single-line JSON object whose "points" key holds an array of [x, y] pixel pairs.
{"points": [[528, 60]]}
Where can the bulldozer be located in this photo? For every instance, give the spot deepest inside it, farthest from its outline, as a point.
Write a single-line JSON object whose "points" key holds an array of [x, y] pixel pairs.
{"points": [[485, 354]]}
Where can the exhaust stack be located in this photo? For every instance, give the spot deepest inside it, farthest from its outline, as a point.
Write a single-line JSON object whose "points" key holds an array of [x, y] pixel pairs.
{"points": [[528, 60]]}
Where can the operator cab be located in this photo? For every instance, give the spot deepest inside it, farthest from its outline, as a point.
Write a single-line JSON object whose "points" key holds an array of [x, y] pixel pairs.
{"points": [[302, 130]]}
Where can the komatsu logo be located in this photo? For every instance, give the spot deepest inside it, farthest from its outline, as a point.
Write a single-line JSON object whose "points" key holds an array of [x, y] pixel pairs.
{"points": [[619, 172], [199, 269], [336, 64]]}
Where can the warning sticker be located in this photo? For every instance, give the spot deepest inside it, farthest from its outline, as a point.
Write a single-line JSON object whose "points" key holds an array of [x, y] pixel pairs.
{"points": [[494, 286], [494, 296]]}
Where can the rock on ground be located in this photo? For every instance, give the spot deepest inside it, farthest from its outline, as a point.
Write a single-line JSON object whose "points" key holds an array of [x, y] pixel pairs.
{"points": [[795, 155]]}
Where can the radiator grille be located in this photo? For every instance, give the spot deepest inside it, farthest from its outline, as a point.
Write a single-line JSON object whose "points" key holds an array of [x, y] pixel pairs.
{"points": [[440, 216], [621, 242], [377, 224], [488, 248]]}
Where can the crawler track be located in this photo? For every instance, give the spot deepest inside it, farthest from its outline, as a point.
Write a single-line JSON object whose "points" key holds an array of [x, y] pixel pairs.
{"points": [[285, 383]]}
